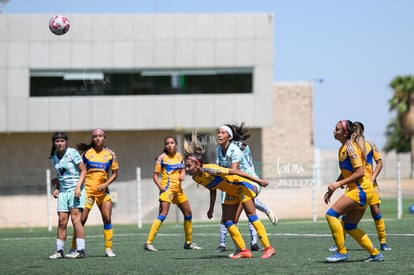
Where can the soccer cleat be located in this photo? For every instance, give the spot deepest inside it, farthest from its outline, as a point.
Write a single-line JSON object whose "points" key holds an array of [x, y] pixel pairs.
{"points": [[333, 248], [71, 251], [236, 251], [337, 257], [220, 249], [109, 253], [272, 217], [385, 247], [268, 252], [375, 258], [245, 253], [254, 247], [77, 255], [58, 255], [191, 246], [149, 247]]}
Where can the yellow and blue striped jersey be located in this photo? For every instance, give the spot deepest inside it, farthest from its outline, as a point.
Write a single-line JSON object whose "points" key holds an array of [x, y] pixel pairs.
{"points": [[170, 168], [350, 157], [216, 177], [98, 165]]}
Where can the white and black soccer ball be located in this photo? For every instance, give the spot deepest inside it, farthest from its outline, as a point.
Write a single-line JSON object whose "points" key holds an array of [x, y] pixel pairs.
{"points": [[59, 24]]}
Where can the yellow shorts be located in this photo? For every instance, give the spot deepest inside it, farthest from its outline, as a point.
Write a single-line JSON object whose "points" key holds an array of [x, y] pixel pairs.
{"points": [[376, 196], [360, 196], [245, 195], [90, 200], [173, 197]]}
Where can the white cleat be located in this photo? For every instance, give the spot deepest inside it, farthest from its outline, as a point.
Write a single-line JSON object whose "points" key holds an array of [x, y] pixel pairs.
{"points": [[272, 217], [109, 253]]}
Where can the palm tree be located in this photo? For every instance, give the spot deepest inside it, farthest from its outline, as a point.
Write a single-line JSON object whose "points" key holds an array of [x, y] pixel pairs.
{"points": [[396, 139], [403, 103]]}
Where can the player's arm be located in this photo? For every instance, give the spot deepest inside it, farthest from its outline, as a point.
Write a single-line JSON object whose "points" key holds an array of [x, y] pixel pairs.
{"points": [[213, 195], [377, 170], [240, 173], [82, 176]]}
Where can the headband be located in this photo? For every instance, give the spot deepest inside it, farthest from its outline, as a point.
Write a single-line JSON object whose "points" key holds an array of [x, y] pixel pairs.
{"points": [[343, 123], [228, 130], [194, 158], [98, 131]]}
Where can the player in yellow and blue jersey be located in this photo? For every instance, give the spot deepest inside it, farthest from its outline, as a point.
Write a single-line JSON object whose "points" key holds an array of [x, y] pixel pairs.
{"points": [[170, 166], [101, 171], [70, 192], [239, 187], [358, 195], [229, 154], [373, 155]]}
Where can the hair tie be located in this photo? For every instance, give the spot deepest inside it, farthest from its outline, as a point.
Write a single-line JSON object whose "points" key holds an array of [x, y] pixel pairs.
{"points": [[228, 130], [195, 159], [344, 125]]}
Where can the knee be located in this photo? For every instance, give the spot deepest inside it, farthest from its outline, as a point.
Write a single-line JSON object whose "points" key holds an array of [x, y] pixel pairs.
{"points": [[376, 217], [332, 213], [350, 226], [227, 224], [161, 217], [253, 218]]}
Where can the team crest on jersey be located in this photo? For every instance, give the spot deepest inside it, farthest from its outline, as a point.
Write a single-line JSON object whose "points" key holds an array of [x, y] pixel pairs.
{"points": [[240, 190], [354, 156]]}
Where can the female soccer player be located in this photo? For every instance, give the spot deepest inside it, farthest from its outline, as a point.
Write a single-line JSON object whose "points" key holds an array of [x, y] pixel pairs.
{"points": [[358, 193], [70, 193], [239, 188], [372, 154], [229, 154], [102, 170], [170, 165]]}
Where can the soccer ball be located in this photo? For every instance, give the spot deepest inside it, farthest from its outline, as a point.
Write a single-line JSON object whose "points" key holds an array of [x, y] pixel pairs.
{"points": [[59, 24]]}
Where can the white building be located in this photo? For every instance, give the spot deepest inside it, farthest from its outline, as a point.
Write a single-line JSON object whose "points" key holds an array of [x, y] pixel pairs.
{"points": [[135, 75]]}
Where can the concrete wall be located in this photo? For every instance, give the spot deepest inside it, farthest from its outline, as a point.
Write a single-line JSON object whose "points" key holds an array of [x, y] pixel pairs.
{"points": [[287, 144], [134, 41]]}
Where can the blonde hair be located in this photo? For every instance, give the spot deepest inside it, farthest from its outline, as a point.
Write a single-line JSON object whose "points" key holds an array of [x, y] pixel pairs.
{"points": [[358, 137], [193, 148]]}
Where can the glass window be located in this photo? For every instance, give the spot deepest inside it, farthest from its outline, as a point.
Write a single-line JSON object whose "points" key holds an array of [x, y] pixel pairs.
{"points": [[143, 82]]}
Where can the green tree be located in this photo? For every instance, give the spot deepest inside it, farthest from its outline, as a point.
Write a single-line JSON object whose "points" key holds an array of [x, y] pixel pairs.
{"points": [[402, 103], [396, 139]]}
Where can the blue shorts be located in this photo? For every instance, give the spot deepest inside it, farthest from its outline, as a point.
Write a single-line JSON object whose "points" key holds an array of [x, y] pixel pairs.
{"points": [[67, 200]]}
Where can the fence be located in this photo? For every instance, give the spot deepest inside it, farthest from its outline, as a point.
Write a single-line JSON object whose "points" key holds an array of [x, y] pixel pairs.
{"points": [[295, 191]]}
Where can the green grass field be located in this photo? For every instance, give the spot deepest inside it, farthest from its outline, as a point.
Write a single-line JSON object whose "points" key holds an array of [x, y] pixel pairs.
{"points": [[301, 248]]}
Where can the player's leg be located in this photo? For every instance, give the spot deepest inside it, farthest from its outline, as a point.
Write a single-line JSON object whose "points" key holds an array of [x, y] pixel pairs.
{"points": [[106, 212], [76, 217], [222, 229], [89, 202], [340, 207], [250, 210], [229, 212], [63, 218], [267, 210], [184, 205], [156, 224], [352, 219]]}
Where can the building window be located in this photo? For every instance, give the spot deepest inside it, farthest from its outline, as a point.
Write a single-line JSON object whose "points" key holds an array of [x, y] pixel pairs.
{"points": [[142, 82]]}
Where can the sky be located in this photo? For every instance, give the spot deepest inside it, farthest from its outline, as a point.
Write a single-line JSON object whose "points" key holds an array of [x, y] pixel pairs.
{"points": [[356, 47]]}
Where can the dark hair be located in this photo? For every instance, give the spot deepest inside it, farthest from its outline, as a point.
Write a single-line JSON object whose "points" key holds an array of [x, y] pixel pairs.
{"points": [[348, 127], [165, 151], [83, 147], [55, 136], [240, 131]]}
